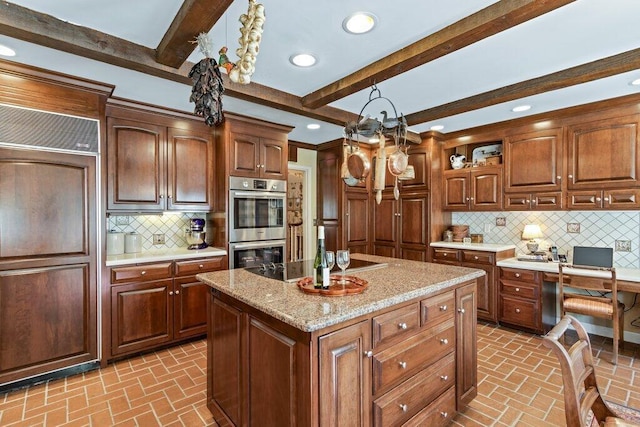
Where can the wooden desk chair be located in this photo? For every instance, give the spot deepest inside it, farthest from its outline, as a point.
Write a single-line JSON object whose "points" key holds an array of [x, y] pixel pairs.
{"points": [[602, 306], [582, 397]]}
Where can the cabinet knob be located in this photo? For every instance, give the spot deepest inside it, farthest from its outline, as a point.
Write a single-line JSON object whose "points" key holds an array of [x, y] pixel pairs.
{"points": [[444, 254], [598, 199], [517, 310], [443, 308], [402, 325], [161, 196], [517, 289], [143, 272], [403, 407], [461, 310], [444, 414], [533, 202], [471, 199], [444, 377], [517, 274], [467, 199], [444, 341], [170, 292], [347, 214], [569, 176], [368, 353], [200, 266], [606, 199], [403, 365], [475, 257], [558, 177], [527, 201], [177, 292]]}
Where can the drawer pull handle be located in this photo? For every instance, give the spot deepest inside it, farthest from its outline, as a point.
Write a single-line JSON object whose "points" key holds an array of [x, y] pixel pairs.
{"points": [[403, 365], [517, 289], [444, 341], [517, 310], [444, 377], [403, 407], [444, 414], [368, 353], [143, 272], [517, 274], [443, 308], [402, 326], [461, 310]]}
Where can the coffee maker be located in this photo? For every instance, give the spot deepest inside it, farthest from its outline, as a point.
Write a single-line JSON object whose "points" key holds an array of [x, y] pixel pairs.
{"points": [[196, 234]]}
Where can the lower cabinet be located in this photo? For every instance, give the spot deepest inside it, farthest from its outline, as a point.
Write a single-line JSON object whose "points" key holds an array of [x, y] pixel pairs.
{"points": [[415, 363], [152, 305]]}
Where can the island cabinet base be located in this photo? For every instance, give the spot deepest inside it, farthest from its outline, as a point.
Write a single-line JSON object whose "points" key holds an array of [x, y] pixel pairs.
{"points": [[407, 364]]}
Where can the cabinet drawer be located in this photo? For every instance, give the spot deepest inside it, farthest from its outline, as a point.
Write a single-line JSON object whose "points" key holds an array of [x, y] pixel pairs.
{"points": [[519, 289], [446, 254], [400, 322], [437, 309], [516, 274], [187, 268], [519, 312], [407, 357], [479, 257], [413, 395], [142, 273], [439, 413]]}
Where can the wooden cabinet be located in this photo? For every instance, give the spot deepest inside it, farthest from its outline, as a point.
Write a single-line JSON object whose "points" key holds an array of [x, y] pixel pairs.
{"points": [[398, 365], [487, 286], [155, 167], [525, 302], [256, 156], [475, 189], [401, 227], [534, 201], [356, 222], [151, 305], [604, 199]]}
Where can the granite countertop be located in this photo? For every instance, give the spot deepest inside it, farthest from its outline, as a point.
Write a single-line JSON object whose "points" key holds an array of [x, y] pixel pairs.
{"points": [[622, 273], [168, 254], [487, 247], [399, 281]]}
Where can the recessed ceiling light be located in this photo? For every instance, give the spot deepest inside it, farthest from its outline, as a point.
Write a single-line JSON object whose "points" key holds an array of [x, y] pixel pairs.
{"points": [[437, 127], [636, 82], [6, 51], [313, 126], [303, 60], [520, 108], [359, 23]]}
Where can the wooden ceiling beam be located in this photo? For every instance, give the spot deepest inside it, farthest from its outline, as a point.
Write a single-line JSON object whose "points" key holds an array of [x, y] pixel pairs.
{"points": [[489, 21], [34, 27], [193, 18], [606, 67]]}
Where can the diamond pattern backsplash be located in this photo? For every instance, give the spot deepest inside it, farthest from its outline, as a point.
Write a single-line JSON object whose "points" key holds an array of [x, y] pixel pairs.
{"points": [[565, 229], [173, 227]]}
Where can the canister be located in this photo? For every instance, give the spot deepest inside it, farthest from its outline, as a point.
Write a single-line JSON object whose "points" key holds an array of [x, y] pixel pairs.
{"points": [[132, 243], [115, 243]]}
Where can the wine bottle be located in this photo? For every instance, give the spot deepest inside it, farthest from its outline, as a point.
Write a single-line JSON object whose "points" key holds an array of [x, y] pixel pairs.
{"points": [[320, 269]]}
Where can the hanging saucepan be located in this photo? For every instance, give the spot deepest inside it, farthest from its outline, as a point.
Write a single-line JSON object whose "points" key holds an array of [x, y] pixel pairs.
{"points": [[398, 161], [344, 170], [358, 164]]}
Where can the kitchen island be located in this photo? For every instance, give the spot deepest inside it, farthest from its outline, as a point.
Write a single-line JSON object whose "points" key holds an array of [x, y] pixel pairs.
{"points": [[403, 351]]}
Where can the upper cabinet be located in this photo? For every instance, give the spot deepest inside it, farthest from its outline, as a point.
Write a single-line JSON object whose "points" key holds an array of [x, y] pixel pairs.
{"points": [[603, 154], [258, 157], [473, 189], [155, 167]]}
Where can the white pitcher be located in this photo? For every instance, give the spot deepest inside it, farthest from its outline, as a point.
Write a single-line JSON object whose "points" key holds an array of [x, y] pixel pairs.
{"points": [[457, 160]]}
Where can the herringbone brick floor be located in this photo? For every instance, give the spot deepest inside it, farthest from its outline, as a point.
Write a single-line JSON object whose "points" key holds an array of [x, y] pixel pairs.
{"points": [[519, 385]]}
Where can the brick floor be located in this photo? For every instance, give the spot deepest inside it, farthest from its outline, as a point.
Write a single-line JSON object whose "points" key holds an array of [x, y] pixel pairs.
{"points": [[519, 384]]}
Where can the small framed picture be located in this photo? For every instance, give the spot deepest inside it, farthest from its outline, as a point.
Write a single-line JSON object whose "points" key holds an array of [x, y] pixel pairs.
{"points": [[573, 227], [501, 221]]}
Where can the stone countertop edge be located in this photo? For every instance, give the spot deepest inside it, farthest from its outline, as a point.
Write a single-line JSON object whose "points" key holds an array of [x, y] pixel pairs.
{"points": [[162, 255], [486, 247], [622, 273], [398, 282]]}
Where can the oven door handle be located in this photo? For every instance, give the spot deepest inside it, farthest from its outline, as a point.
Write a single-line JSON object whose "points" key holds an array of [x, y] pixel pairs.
{"points": [[259, 195], [262, 244]]}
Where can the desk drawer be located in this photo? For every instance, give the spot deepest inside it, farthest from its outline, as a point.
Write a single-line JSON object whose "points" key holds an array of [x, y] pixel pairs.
{"points": [[407, 357], [400, 322], [519, 312], [478, 257], [516, 274], [451, 255], [519, 289], [413, 395], [439, 413], [437, 309], [187, 268], [142, 273]]}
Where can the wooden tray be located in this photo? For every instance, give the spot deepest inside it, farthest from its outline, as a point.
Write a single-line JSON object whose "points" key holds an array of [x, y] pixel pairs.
{"points": [[354, 285]]}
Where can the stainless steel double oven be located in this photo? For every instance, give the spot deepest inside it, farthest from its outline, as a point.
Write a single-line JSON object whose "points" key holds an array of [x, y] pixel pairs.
{"points": [[257, 221]]}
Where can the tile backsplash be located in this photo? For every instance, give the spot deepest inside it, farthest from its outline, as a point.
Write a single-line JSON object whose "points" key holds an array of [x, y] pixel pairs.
{"points": [[173, 227], [617, 230]]}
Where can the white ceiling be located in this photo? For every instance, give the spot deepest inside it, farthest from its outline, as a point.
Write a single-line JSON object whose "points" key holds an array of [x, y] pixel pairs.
{"points": [[577, 33]]}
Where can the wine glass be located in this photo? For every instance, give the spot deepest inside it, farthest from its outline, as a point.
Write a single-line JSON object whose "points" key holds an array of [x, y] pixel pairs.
{"points": [[330, 256], [342, 259]]}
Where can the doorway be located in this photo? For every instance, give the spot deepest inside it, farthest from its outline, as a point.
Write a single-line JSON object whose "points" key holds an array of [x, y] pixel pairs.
{"points": [[299, 216]]}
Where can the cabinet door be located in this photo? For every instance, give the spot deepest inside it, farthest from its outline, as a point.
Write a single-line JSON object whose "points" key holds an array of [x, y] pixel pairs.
{"points": [[486, 189], [466, 346], [189, 170], [622, 199], [136, 165], [414, 227], [586, 199], [245, 155], [356, 223], [420, 159], [533, 161], [604, 154], [273, 158], [189, 307], [385, 234], [456, 191], [486, 295], [345, 376], [141, 316]]}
